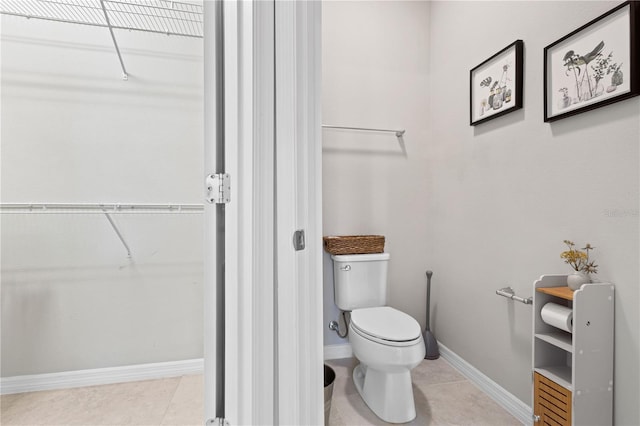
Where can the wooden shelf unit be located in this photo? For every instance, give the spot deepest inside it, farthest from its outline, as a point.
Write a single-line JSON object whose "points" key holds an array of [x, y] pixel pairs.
{"points": [[561, 292], [575, 367]]}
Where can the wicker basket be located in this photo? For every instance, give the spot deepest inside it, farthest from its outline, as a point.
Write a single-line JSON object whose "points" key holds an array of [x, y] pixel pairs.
{"points": [[354, 244]]}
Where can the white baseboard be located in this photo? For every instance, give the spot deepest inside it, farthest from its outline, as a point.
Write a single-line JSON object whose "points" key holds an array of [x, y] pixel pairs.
{"points": [[338, 351], [505, 399], [99, 376]]}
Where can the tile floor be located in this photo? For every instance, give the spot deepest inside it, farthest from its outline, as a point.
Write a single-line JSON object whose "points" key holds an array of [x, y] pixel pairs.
{"points": [[443, 397], [174, 401]]}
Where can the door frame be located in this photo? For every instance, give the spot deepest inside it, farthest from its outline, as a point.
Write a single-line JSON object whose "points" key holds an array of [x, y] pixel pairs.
{"points": [[273, 294]]}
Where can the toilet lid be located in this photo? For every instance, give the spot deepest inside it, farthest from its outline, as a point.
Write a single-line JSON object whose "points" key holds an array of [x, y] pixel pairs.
{"points": [[386, 323]]}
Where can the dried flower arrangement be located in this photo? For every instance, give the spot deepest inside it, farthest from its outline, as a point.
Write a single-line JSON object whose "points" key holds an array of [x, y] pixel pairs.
{"points": [[579, 260]]}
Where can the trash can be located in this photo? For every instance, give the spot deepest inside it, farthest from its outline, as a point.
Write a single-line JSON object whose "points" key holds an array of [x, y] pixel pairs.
{"points": [[329, 378]]}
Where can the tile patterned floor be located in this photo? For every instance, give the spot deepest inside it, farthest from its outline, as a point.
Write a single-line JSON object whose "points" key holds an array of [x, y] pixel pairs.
{"points": [[443, 397], [174, 401]]}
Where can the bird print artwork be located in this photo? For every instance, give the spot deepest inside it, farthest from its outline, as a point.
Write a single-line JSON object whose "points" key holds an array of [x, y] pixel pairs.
{"points": [[593, 66], [586, 75]]}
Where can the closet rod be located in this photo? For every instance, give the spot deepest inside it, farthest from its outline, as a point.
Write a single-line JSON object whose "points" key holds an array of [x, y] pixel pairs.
{"points": [[99, 208], [398, 133]]}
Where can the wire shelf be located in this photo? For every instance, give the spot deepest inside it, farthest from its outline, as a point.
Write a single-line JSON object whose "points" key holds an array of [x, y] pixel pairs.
{"points": [[104, 209], [155, 16], [61, 208]]}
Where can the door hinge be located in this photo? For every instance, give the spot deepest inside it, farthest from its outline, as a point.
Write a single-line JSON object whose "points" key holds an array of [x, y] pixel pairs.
{"points": [[218, 188], [218, 421]]}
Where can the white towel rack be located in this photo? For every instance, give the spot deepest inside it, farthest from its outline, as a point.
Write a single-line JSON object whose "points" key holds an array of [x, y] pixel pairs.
{"points": [[398, 133], [156, 16]]}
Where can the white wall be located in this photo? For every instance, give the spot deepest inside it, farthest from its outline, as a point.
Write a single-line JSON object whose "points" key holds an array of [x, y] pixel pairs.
{"points": [[375, 74], [504, 195], [73, 131]]}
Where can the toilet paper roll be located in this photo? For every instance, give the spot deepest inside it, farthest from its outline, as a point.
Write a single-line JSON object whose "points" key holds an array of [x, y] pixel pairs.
{"points": [[558, 316]]}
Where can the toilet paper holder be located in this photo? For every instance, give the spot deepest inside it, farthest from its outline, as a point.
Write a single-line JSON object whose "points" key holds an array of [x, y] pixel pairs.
{"points": [[510, 294]]}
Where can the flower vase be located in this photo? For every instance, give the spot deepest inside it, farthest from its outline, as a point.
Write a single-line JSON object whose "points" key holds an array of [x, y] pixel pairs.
{"points": [[617, 78], [575, 280]]}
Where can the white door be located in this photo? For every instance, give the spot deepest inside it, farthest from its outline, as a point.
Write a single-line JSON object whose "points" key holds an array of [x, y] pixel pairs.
{"points": [[263, 347], [299, 207]]}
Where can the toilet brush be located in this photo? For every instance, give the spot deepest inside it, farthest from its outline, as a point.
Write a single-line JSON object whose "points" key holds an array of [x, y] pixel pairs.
{"points": [[430, 342]]}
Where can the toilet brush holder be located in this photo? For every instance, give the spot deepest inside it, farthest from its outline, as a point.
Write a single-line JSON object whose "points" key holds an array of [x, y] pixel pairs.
{"points": [[430, 342]]}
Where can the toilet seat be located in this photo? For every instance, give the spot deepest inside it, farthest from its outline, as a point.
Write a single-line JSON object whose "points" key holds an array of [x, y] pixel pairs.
{"points": [[386, 325]]}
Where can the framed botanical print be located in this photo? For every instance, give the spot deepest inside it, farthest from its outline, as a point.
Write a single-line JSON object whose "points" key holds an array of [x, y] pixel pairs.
{"points": [[593, 66], [496, 84]]}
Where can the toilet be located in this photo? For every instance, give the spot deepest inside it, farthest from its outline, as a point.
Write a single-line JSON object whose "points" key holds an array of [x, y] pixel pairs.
{"points": [[387, 342]]}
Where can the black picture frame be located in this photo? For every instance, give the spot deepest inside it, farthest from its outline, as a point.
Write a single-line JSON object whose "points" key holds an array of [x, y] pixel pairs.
{"points": [[594, 65], [496, 83]]}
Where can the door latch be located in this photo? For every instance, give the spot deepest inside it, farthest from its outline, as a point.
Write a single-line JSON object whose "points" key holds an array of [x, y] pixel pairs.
{"points": [[298, 240]]}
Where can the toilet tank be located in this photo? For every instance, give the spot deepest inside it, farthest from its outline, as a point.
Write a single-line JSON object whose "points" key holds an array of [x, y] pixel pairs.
{"points": [[360, 280]]}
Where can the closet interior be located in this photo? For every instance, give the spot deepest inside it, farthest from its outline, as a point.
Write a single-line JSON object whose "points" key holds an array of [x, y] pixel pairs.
{"points": [[101, 193]]}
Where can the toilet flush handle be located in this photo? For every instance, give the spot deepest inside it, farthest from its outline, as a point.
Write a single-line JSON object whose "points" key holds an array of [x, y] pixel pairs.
{"points": [[345, 268]]}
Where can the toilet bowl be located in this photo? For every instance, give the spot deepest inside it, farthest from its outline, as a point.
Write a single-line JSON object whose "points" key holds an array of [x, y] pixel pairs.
{"points": [[388, 343]]}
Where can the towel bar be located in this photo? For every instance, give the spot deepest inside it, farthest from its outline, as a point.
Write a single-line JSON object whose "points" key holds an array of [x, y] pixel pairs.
{"points": [[399, 133]]}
